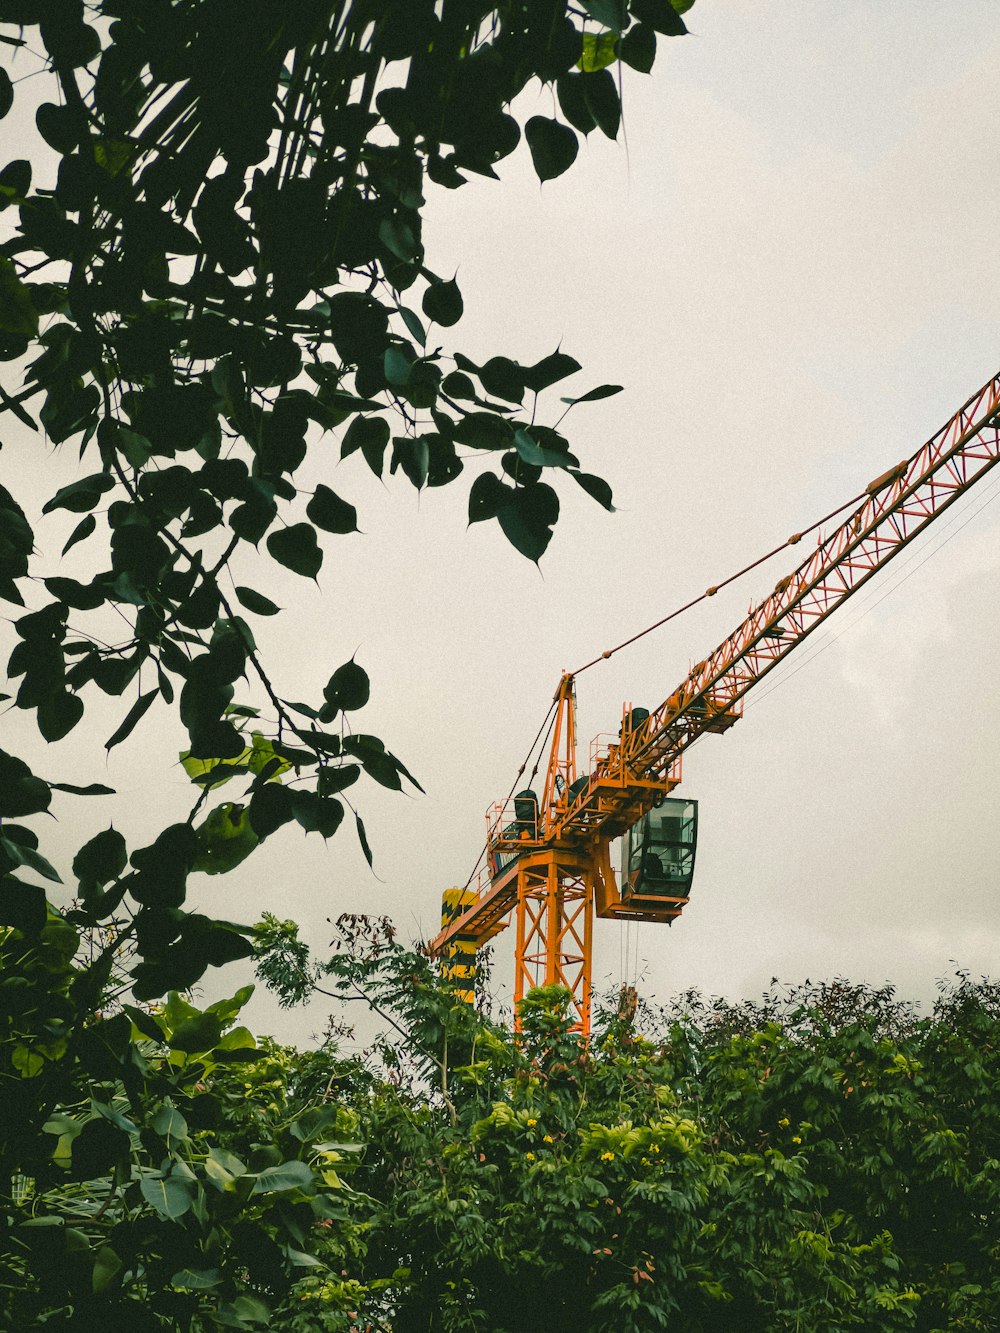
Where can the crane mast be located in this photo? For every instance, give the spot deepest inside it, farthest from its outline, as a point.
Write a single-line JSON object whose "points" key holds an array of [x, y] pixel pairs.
{"points": [[549, 865]]}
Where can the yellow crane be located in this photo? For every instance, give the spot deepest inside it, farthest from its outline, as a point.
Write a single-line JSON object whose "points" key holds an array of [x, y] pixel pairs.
{"points": [[548, 860]]}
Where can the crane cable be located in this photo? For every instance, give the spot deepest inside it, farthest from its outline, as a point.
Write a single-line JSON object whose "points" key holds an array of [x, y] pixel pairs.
{"points": [[547, 723], [793, 540]]}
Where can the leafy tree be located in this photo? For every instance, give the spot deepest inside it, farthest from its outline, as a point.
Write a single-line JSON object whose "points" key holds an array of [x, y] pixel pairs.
{"points": [[215, 258], [171, 1176], [221, 262], [822, 1159]]}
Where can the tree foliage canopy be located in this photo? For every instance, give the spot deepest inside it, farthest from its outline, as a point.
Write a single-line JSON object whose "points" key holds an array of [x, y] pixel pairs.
{"points": [[215, 260], [822, 1158], [214, 265]]}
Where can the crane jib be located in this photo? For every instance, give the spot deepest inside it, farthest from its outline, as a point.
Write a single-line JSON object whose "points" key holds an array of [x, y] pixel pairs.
{"points": [[960, 454]]}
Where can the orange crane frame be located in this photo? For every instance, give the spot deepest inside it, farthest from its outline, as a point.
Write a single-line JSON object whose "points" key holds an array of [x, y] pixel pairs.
{"points": [[554, 872]]}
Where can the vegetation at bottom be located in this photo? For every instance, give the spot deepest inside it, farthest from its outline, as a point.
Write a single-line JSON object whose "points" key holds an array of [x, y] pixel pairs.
{"points": [[825, 1158]]}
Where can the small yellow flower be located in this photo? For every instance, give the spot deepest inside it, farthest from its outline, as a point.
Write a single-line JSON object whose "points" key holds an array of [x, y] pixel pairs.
{"points": [[796, 1139], [607, 1157], [784, 1122], [530, 1156], [532, 1124], [548, 1139]]}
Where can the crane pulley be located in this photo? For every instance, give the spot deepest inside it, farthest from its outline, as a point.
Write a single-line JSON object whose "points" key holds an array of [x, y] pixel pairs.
{"points": [[549, 861]]}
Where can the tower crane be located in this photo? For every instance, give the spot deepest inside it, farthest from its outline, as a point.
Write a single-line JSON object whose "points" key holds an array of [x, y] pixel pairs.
{"points": [[548, 859]]}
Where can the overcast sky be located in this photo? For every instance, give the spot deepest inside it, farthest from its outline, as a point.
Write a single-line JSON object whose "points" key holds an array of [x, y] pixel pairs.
{"points": [[790, 262]]}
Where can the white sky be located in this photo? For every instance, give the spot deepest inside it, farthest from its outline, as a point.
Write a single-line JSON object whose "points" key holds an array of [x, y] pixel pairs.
{"points": [[792, 268]]}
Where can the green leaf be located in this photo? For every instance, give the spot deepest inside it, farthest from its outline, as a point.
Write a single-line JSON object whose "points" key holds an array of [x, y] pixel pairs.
{"points": [[458, 385], [638, 47], [242, 1311], [487, 496], [553, 146], [20, 855], [79, 496], [194, 1035], [398, 237], [225, 839], [538, 455], [442, 303], [397, 365], [573, 104], [293, 1175], [601, 94], [58, 714], [413, 324], [15, 182], [592, 395], [6, 93], [211, 773], [299, 1258], [503, 378], [363, 839], [549, 371], [332, 780], [596, 487], [80, 596], [296, 548], [17, 314], [95, 789], [612, 13], [317, 814], [196, 1279], [145, 1023], [107, 1266], [22, 905], [369, 434], [81, 532], [484, 430], [413, 456], [328, 511], [138, 710], [170, 1125], [661, 15], [12, 405], [527, 519], [270, 807], [228, 1008], [102, 859], [257, 602], [348, 688], [264, 757], [600, 49], [170, 1197]]}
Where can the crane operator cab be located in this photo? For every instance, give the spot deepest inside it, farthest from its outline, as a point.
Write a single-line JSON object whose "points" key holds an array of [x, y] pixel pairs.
{"points": [[658, 857], [522, 827]]}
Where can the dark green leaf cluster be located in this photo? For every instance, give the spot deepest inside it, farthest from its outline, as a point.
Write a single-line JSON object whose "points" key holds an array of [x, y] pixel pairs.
{"points": [[217, 259], [160, 1169]]}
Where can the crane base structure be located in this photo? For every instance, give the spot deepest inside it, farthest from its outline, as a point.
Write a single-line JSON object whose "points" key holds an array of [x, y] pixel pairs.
{"points": [[549, 861]]}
